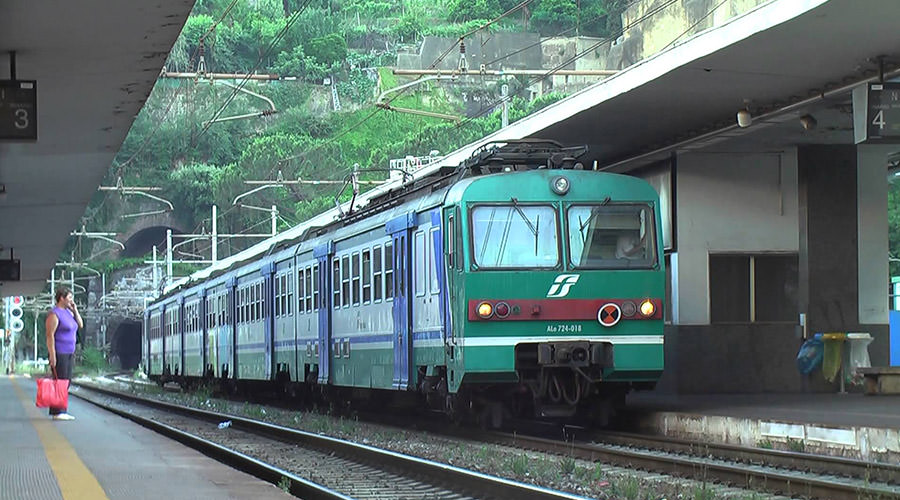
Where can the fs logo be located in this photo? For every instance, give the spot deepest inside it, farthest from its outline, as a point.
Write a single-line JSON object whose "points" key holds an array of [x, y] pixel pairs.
{"points": [[561, 285]]}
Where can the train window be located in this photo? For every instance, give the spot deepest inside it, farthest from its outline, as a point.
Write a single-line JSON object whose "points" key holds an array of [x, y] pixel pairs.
{"points": [[376, 272], [259, 301], [239, 307], [515, 236], [367, 276], [277, 295], [315, 287], [432, 260], [282, 300], [290, 293], [612, 236], [345, 281], [451, 240], [336, 283], [356, 278], [388, 270], [302, 291], [421, 268]]}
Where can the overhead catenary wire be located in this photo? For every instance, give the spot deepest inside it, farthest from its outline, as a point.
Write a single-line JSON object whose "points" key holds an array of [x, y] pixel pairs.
{"points": [[578, 55], [654, 11], [433, 65], [174, 98], [276, 39]]}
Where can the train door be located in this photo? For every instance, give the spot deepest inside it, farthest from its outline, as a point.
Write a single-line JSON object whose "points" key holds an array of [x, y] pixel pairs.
{"points": [[228, 334], [323, 255], [145, 345], [203, 322], [268, 313], [400, 230]]}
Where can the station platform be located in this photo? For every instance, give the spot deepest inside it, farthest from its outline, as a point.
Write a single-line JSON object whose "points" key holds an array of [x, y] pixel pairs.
{"points": [[850, 425], [102, 456]]}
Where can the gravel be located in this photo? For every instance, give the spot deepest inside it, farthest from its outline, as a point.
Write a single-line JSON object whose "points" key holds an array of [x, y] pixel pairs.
{"points": [[595, 480]]}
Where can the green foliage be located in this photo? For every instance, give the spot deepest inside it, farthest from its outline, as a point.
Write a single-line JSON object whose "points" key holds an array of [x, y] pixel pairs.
{"points": [[894, 227], [190, 189], [519, 465], [93, 360], [467, 10], [358, 86], [553, 16], [110, 266], [408, 27], [328, 49]]}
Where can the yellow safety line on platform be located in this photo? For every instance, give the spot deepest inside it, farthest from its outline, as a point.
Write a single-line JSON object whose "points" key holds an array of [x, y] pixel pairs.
{"points": [[75, 480]]}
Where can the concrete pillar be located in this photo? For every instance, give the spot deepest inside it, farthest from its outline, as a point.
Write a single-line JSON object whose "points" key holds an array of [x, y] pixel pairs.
{"points": [[843, 228]]}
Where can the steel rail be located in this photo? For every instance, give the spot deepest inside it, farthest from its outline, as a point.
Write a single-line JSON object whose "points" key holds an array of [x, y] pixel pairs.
{"points": [[459, 480], [299, 487], [822, 464], [756, 477]]}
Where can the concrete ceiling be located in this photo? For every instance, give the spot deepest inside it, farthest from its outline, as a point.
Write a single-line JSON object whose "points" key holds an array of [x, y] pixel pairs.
{"points": [[95, 63], [778, 59]]}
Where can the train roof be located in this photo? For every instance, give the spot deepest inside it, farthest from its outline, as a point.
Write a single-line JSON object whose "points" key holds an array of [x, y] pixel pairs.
{"points": [[372, 206]]}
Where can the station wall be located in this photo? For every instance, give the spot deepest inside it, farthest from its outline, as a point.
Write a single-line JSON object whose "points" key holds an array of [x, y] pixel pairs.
{"points": [[740, 204], [760, 237]]}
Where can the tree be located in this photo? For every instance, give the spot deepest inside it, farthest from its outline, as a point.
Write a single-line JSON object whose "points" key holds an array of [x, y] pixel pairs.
{"points": [[190, 189], [328, 49], [553, 16], [467, 10]]}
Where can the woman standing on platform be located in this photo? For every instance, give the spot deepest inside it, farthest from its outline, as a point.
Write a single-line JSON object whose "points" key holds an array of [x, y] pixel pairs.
{"points": [[62, 323]]}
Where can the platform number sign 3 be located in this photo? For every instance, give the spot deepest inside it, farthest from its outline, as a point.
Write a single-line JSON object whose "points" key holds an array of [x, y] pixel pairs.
{"points": [[18, 110]]}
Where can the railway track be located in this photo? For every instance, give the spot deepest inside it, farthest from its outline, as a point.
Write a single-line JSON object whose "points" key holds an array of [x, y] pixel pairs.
{"points": [[775, 471], [308, 465]]}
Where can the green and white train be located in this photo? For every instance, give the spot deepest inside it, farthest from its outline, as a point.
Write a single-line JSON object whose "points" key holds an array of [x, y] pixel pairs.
{"points": [[517, 283]]}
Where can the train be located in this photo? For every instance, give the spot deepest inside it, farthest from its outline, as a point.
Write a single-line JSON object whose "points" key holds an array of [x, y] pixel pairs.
{"points": [[516, 284]]}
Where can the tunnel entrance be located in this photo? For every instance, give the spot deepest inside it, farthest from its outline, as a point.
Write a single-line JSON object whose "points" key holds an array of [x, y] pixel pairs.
{"points": [[126, 344], [143, 241]]}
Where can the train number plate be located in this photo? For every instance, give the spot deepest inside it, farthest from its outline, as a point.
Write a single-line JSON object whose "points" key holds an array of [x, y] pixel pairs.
{"points": [[563, 328]]}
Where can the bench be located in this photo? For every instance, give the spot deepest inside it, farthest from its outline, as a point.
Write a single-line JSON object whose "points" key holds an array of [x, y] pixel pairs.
{"points": [[881, 379]]}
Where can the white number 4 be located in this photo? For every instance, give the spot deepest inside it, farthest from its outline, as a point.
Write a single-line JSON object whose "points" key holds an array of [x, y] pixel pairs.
{"points": [[879, 119]]}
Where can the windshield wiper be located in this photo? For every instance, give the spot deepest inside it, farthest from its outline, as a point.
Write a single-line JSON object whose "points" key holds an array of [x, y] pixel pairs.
{"points": [[594, 213], [524, 217]]}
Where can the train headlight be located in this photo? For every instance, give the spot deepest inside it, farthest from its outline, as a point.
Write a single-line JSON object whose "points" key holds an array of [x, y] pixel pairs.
{"points": [[485, 310], [560, 185], [628, 308], [647, 308]]}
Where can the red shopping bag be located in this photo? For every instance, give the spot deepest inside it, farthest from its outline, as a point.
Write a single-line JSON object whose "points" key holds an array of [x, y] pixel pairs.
{"points": [[52, 392]]}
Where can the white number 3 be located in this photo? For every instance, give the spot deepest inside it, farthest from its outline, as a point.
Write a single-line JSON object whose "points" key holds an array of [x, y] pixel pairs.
{"points": [[21, 119]]}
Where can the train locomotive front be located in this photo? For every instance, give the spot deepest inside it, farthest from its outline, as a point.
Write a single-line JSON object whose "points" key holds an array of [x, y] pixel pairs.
{"points": [[556, 288]]}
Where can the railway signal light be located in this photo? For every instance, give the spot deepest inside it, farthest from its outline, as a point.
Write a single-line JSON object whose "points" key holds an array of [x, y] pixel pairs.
{"points": [[16, 324]]}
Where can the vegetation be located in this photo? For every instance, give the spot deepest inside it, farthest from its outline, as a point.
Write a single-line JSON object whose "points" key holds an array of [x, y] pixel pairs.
{"points": [[310, 45]]}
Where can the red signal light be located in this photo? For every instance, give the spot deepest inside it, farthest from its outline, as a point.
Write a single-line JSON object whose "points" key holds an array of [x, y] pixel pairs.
{"points": [[17, 300]]}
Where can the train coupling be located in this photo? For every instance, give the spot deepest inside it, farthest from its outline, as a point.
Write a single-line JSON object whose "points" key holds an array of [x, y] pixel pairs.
{"points": [[575, 354]]}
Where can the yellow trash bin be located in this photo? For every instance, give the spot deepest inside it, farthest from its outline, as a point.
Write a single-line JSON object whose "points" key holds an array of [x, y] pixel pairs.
{"points": [[834, 354]]}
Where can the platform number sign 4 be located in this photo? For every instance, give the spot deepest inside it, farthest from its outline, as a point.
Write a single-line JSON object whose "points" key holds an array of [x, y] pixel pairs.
{"points": [[18, 110]]}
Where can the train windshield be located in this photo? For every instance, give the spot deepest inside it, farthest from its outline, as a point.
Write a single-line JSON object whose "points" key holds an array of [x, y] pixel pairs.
{"points": [[611, 236], [515, 236]]}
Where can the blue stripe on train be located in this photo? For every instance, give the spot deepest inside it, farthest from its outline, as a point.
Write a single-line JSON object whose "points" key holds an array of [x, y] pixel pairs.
{"points": [[368, 339]]}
